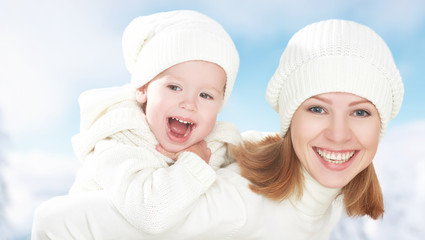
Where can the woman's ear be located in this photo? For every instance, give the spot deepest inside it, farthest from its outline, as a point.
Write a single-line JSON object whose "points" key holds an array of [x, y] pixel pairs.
{"points": [[141, 94]]}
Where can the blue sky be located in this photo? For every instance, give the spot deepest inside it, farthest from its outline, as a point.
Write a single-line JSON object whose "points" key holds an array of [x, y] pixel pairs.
{"points": [[54, 50], [51, 51]]}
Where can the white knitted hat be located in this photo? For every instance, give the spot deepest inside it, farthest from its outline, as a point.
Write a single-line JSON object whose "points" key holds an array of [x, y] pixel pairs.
{"points": [[153, 43], [335, 56]]}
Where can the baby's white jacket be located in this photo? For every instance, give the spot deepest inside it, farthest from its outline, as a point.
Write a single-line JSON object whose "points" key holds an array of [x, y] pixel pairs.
{"points": [[118, 152]]}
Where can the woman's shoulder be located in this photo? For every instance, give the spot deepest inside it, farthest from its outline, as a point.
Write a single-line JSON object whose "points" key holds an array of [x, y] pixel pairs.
{"points": [[254, 136], [231, 177]]}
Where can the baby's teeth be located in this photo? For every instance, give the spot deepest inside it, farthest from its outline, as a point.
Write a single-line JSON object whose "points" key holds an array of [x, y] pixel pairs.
{"points": [[185, 122]]}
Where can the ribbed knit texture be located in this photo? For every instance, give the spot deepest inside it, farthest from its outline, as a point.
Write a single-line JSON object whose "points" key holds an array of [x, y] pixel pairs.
{"points": [[153, 43], [336, 56]]}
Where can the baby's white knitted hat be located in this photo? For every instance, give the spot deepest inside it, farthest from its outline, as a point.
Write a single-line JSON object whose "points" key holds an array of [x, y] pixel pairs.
{"points": [[336, 56], [153, 43]]}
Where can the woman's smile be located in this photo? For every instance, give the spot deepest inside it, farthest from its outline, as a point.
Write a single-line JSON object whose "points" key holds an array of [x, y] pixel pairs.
{"points": [[336, 157], [335, 160]]}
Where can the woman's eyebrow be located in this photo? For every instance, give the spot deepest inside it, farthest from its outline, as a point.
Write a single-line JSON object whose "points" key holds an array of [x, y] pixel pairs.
{"points": [[359, 102], [328, 101]]}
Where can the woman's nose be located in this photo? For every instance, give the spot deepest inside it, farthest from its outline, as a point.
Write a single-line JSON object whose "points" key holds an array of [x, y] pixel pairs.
{"points": [[338, 129]]}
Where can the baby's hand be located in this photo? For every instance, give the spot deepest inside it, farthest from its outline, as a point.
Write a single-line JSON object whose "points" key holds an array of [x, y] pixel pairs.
{"points": [[199, 148], [171, 155]]}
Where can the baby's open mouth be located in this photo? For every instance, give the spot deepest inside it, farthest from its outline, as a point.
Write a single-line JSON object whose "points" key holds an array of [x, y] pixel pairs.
{"points": [[180, 128]]}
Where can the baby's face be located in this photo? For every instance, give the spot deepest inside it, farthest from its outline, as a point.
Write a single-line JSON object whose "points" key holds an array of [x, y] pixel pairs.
{"points": [[182, 103]]}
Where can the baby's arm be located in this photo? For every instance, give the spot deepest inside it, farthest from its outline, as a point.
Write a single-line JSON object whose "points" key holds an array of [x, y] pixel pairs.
{"points": [[150, 195], [199, 148], [216, 215]]}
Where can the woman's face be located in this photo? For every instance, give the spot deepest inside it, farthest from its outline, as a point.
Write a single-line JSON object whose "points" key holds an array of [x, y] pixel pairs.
{"points": [[335, 136]]}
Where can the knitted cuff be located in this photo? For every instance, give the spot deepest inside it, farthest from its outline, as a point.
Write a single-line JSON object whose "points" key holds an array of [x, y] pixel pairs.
{"points": [[198, 168]]}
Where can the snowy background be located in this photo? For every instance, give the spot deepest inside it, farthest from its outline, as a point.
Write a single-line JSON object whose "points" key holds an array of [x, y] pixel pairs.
{"points": [[51, 51]]}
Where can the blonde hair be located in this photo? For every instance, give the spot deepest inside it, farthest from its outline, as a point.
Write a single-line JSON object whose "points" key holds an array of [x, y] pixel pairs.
{"points": [[276, 172]]}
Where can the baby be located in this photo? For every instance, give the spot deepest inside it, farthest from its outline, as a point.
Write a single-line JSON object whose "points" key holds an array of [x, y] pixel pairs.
{"points": [[153, 145]]}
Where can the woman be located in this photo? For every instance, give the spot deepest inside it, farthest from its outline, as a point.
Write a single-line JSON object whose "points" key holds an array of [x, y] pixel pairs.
{"points": [[335, 89]]}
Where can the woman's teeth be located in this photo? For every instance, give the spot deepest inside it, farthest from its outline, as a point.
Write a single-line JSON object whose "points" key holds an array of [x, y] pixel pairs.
{"points": [[335, 157]]}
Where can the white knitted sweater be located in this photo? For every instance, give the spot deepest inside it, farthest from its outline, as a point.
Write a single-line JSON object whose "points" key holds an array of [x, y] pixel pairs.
{"points": [[117, 149]]}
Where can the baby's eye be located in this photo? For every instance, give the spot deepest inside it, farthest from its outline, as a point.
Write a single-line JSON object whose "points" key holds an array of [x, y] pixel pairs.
{"points": [[317, 109], [174, 87], [361, 113], [206, 96]]}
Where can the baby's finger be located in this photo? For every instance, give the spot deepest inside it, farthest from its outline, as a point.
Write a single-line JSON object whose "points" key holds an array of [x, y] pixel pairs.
{"points": [[164, 152]]}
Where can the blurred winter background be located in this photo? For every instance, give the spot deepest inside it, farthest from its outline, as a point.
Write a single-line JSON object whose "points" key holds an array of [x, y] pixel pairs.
{"points": [[51, 51]]}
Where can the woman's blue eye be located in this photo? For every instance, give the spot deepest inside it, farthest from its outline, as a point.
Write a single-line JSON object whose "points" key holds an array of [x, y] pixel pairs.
{"points": [[361, 113], [174, 87], [205, 95], [316, 109]]}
